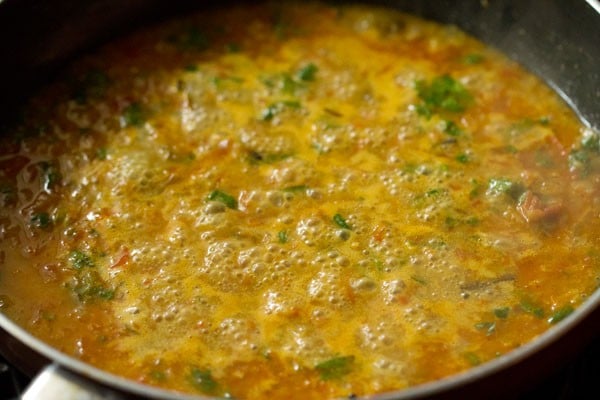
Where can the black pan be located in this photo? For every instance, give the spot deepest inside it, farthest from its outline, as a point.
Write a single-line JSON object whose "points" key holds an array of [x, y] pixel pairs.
{"points": [[558, 40]]}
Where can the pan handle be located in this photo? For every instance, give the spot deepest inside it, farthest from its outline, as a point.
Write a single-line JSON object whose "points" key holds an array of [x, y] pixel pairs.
{"points": [[57, 383]]}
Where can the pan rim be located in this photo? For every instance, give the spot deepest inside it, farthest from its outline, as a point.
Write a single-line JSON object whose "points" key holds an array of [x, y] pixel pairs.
{"points": [[427, 389]]}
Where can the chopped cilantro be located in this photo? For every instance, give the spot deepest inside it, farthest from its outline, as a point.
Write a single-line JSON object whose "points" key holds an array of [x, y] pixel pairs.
{"points": [[268, 158], [532, 308], [583, 158], [472, 358], [307, 73], [80, 260], [335, 368], [268, 113], [288, 85], [341, 222], [88, 286], [295, 188], [41, 220], [222, 197], [443, 93], [501, 312], [133, 115], [497, 186], [560, 314], [283, 236], [203, 380], [591, 141], [473, 58], [452, 129], [102, 153], [463, 158]]}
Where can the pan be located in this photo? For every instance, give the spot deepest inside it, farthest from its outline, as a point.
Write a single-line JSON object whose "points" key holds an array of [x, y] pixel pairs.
{"points": [[557, 40]]}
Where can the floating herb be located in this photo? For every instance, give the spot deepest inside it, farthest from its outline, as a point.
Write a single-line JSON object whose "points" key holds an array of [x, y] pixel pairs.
{"points": [[443, 93], [473, 58], [335, 368], [472, 358], [222, 197], [341, 221], [272, 110], [532, 308], [501, 312], [203, 380], [41, 220], [497, 186], [307, 73], [88, 286], [80, 260], [133, 115], [295, 188], [267, 158], [463, 158], [282, 236], [560, 314], [452, 129], [102, 153]]}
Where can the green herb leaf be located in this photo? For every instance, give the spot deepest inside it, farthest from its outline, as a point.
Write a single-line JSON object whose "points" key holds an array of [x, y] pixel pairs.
{"points": [[473, 58], [102, 153], [472, 358], [273, 109], [452, 129], [532, 308], [463, 158], [295, 188], [497, 186], [560, 314], [222, 197], [133, 115], [89, 286], [307, 73], [443, 93], [283, 236], [335, 368], [267, 158], [80, 260], [501, 312], [203, 381], [341, 222], [41, 220]]}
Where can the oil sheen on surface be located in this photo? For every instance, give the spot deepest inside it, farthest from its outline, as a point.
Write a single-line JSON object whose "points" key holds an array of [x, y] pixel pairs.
{"points": [[296, 201]]}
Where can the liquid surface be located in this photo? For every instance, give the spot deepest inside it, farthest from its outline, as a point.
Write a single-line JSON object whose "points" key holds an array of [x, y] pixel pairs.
{"points": [[296, 201]]}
